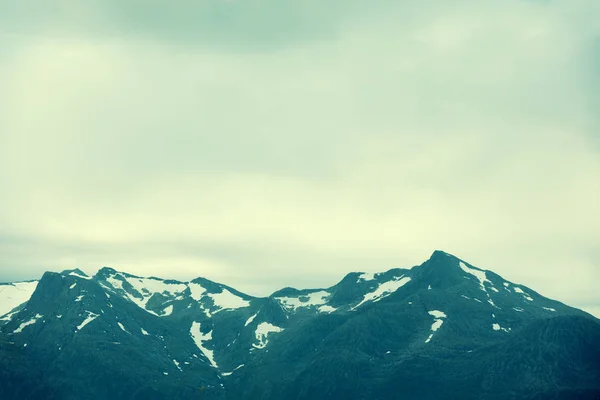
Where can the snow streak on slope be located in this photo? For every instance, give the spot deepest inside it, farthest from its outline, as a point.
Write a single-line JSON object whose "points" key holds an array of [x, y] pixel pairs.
{"points": [[199, 339], [26, 324], [482, 278], [15, 294], [235, 369], [480, 275], [122, 327], [249, 320], [91, 316], [384, 290], [437, 322]]}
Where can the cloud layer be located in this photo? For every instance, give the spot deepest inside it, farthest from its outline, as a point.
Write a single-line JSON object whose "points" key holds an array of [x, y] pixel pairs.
{"points": [[269, 144]]}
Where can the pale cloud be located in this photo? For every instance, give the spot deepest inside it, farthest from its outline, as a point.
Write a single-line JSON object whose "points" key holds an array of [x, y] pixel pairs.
{"points": [[361, 138]]}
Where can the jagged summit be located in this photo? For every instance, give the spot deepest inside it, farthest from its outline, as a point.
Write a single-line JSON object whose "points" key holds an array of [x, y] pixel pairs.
{"points": [[74, 272]]}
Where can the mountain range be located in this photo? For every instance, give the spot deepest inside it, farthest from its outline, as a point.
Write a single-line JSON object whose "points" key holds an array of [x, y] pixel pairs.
{"points": [[444, 329]]}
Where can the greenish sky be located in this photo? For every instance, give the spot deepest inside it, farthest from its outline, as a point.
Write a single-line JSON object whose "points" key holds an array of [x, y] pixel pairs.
{"points": [[284, 143]]}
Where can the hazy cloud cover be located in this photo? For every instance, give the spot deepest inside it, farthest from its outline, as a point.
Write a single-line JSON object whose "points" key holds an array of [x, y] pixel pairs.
{"points": [[271, 143]]}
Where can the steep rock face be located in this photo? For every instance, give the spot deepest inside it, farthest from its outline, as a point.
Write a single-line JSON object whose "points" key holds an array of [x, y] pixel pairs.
{"points": [[438, 329]]}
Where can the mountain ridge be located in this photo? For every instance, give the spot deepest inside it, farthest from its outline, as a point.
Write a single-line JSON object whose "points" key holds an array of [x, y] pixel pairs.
{"points": [[203, 339], [435, 256]]}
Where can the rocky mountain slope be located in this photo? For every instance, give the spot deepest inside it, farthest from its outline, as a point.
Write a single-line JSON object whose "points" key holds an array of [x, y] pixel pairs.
{"points": [[444, 329]]}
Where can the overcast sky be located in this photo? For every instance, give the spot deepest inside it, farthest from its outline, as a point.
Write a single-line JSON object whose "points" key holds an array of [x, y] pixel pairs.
{"points": [[271, 143]]}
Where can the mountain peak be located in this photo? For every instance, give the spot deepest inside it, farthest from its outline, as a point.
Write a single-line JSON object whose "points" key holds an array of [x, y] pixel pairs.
{"points": [[106, 271], [441, 255]]}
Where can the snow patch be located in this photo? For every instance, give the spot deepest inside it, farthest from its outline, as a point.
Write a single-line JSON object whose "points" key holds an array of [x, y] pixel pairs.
{"points": [[168, 311], [227, 300], [79, 298], [196, 291], [525, 294], [73, 285], [437, 314], [327, 309], [497, 327], [147, 287], [144, 332], [262, 332], [549, 309], [15, 294], [366, 276], [115, 283], [311, 300]]}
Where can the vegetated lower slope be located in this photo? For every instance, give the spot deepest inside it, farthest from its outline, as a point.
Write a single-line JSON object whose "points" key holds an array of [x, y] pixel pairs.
{"points": [[441, 330]]}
